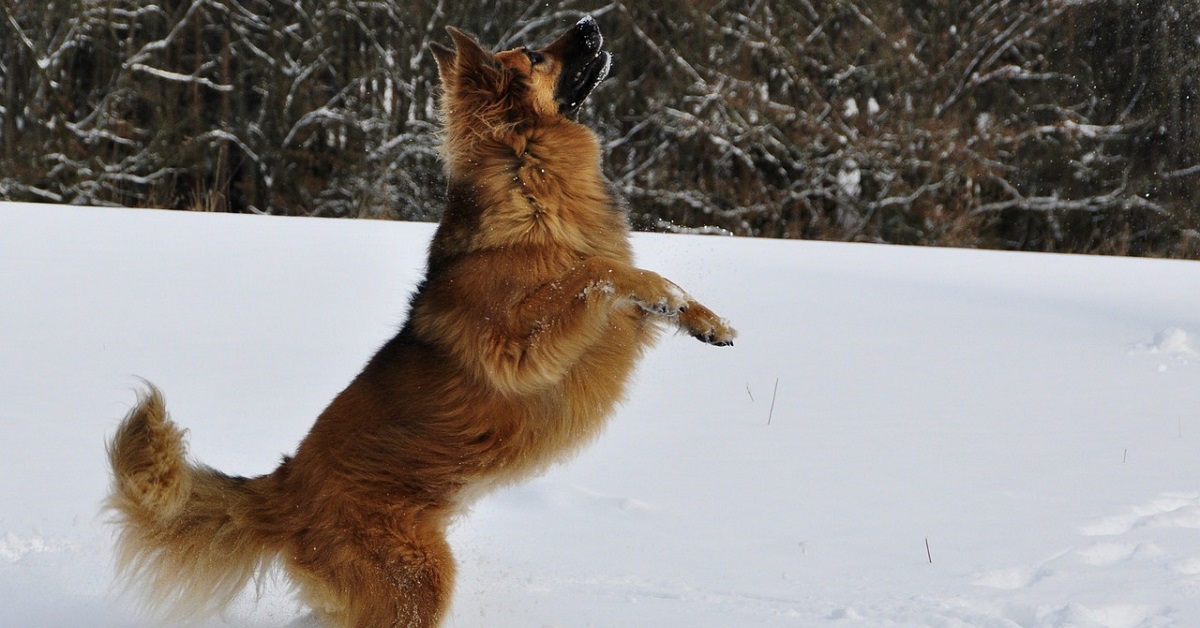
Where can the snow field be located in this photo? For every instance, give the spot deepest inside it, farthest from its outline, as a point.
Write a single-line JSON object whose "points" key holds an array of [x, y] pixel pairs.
{"points": [[1034, 418]]}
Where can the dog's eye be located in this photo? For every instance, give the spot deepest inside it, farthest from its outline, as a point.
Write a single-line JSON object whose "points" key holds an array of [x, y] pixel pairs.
{"points": [[535, 57]]}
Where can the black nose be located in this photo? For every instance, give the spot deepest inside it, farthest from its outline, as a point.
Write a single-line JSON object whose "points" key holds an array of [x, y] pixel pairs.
{"points": [[588, 33]]}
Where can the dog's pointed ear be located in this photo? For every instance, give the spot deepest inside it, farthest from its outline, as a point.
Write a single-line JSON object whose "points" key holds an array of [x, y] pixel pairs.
{"points": [[469, 50], [445, 60]]}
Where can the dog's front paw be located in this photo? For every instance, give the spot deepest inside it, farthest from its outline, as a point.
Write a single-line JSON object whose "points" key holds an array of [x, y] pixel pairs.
{"points": [[706, 326]]}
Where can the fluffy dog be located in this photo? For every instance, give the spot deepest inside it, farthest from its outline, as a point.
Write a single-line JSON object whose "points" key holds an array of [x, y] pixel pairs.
{"points": [[519, 342]]}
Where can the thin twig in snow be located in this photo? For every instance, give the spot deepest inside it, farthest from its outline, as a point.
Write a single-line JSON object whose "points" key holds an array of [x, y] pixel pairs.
{"points": [[771, 413]]}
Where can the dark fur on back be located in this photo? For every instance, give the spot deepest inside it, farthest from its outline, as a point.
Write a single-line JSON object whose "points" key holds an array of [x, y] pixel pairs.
{"points": [[518, 345]]}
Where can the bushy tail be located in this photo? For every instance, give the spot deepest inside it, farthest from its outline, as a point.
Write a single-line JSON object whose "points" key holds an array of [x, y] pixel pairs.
{"points": [[190, 536]]}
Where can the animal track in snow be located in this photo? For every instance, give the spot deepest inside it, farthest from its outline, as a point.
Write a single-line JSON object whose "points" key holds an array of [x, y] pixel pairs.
{"points": [[1142, 540], [1013, 578], [1178, 510], [1108, 554]]}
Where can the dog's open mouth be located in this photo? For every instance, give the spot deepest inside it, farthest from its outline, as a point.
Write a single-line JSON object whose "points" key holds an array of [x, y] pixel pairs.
{"points": [[585, 64], [583, 81]]}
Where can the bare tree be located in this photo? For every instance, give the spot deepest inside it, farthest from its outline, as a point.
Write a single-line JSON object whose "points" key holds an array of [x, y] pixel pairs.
{"points": [[1063, 125]]}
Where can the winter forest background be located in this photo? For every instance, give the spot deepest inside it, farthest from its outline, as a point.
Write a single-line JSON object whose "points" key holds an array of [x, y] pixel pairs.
{"points": [[1064, 125]]}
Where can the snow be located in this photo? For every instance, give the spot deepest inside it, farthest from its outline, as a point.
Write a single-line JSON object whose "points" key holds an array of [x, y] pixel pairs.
{"points": [[873, 107], [849, 179], [1173, 342], [957, 438], [850, 108]]}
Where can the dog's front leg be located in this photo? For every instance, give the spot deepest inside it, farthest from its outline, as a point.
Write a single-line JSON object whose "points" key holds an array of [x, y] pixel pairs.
{"points": [[576, 309], [548, 330], [555, 323], [658, 296]]}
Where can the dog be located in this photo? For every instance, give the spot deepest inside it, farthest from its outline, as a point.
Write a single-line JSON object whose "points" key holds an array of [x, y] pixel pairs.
{"points": [[518, 343]]}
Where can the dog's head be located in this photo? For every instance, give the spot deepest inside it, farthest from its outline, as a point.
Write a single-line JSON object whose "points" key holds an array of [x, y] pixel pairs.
{"points": [[522, 86]]}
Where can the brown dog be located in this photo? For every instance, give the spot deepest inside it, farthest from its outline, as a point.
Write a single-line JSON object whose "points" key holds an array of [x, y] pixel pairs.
{"points": [[518, 344]]}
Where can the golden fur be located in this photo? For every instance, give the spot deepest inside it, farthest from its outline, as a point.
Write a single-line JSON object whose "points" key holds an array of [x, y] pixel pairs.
{"points": [[518, 344]]}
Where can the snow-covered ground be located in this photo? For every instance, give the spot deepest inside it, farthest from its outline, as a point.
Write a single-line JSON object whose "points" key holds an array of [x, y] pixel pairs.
{"points": [[901, 437]]}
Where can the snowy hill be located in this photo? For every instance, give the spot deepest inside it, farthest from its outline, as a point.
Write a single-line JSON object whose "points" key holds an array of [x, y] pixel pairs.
{"points": [[1031, 423]]}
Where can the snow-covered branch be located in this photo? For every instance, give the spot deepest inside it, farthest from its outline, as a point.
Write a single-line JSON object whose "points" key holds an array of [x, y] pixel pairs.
{"points": [[1049, 204], [179, 78]]}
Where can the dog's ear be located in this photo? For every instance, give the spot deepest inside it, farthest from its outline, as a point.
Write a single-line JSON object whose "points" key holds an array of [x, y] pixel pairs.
{"points": [[470, 53], [445, 61]]}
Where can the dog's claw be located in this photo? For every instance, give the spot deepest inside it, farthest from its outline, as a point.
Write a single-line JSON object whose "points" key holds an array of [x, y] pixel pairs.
{"points": [[710, 338]]}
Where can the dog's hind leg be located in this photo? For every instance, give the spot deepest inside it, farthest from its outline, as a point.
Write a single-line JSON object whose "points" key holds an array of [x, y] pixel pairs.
{"points": [[406, 585]]}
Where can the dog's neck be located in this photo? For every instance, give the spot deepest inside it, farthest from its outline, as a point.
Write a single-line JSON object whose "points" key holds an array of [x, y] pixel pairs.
{"points": [[543, 187]]}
